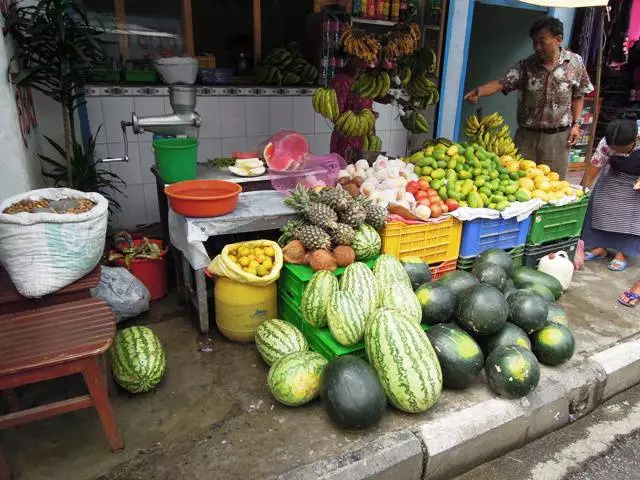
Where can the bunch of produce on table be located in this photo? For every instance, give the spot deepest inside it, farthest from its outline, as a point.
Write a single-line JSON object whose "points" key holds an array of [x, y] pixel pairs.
{"points": [[61, 206], [334, 229], [255, 260], [491, 134], [385, 49], [285, 66]]}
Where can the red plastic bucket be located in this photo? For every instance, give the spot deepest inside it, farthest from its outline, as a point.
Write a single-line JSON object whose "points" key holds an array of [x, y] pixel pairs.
{"points": [[153, 273]]}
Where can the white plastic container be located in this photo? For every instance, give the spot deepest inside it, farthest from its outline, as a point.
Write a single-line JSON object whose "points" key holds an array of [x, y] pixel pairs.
{"points": [[177, 70], [558, 265]]}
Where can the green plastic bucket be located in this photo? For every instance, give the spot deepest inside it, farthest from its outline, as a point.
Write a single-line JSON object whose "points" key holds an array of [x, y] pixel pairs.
{"points": [[176, 158]]}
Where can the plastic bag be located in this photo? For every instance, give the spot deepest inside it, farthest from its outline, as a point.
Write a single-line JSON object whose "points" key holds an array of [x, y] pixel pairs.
{"points": [[125, 294], [578, 259], [223, 266], [321, 171], [558, 265], [286, 151]]}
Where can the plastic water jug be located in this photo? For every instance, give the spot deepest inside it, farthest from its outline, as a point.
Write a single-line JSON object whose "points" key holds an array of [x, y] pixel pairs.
{"points": [[558, 265]]}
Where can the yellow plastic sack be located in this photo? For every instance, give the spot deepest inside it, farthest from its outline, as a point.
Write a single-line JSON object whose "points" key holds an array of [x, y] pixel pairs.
{"points": [[223, 266]]}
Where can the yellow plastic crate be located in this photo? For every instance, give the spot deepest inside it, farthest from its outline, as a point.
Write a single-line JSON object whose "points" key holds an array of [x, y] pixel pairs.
{"points": [[433, 243]]}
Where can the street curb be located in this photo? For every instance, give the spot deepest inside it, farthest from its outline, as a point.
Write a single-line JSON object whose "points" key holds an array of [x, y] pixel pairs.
{"points": [[454, 443]]}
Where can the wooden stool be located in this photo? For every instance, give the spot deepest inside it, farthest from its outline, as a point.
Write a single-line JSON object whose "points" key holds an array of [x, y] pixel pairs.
{"points": [[56, 341]]}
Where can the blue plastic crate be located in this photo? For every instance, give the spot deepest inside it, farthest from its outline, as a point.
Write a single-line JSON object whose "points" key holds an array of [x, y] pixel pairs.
{"points": [[482, 234]]}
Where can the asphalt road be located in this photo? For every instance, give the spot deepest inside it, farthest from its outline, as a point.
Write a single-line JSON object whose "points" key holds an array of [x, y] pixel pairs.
{"points": [[602, 446]]}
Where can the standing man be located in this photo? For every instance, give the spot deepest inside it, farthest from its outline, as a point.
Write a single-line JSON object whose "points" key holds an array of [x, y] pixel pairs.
{"points": [[551, 84]]}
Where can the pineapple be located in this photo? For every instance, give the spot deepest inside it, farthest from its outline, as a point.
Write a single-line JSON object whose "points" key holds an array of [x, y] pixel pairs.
{"points": [[354, 215], [336, 198], [313, 237], [343, 234], [289, 231], [376, 215], [308, 204]]}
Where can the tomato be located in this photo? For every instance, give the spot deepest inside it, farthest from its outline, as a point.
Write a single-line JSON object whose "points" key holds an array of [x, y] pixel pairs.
{"points": [[434, 199], [424, 201], [431, 192], [444, 208], [412, 187], [423, 184], [420, 195], [436, 211], [452, 204]]}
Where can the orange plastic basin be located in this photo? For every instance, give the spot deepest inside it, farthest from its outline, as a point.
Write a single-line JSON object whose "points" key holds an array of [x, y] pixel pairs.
{"points": [[203, 198]]}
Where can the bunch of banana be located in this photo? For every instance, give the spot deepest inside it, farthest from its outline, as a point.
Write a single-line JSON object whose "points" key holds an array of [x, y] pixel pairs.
{"points": [[307, 72], [401, 45], [415, 122], [325, 102], [490, 133], [284, 67], [351, 124], [405, 76], [422, 61], [360, 44], [372, 143], [372, 85]]}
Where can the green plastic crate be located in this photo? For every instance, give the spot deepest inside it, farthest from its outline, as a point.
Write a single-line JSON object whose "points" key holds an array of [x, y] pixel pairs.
{"points": [[320, 339], [517, 253], [294, 278], [557, 222]]}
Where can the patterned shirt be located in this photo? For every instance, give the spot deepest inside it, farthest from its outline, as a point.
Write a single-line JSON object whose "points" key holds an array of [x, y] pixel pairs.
{"points": [[544, 99], [601, 156]]}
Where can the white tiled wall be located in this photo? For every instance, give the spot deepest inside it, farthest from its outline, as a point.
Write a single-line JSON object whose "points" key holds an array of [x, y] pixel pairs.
{"points": [[229, 123]]}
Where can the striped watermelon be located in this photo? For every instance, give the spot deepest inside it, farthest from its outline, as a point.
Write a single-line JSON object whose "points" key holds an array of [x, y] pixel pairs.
{"points": [[137, 359], [402, 298], [383, 314], [359, 280], [346, 318], [276, 339], [367, 242], [316, 298], [405, 361], [388, 270], [295, 379]]}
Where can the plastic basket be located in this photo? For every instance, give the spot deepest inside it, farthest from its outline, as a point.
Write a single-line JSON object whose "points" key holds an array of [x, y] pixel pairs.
{"points": [[140, 76], [482, 234], [439, 270], [466, 263], [533, 253], [433, 242], [557, 222]]}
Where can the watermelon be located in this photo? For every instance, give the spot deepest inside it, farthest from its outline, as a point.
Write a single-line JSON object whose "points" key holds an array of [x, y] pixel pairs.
{"points": [[417, 269], [510, 334], [346, 318], [528, 310], [522, 276], [540, 289], [402, 298], [286, 151], [276, 339], [315, 298], [437, 302], [512, 371], [482, 310], [553, 344], [295, 379], [490, 274], [497, 256], [384, 314], [459, 355], [557, 314], [352, 394], [388, 270], [137, 359], [359, 280], [509, 288], [458, 281], [366, 243], [405, 361]]}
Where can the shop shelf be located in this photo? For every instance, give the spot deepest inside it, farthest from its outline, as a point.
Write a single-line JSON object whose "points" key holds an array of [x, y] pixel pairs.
{"points": [[483, 233], [552, 223], [533, 253], [466, 263], [433, 242]]}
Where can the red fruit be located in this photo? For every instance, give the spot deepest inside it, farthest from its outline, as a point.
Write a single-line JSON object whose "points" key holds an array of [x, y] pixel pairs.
{"points": [[420, 195], [424, 201], [444, 208], [452, 204], [423, 184], [431, 192], [412, 187], [436, 211], [434, 199]]}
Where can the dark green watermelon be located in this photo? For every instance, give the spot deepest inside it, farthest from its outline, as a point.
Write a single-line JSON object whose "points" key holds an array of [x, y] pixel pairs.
{"points": [[482, 310], [458, 281], [509, 335], [498, 257], [509, 288], [460, 357], [528, 310], [524, 275], [541, 290], [490, 274], [557, 314], [437, 301], [512, 371], [553, 344], [417, 269], [352, 393]]}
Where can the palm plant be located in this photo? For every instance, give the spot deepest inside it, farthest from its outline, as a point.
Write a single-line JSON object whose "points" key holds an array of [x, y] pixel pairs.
{"points": [[55, 47]]}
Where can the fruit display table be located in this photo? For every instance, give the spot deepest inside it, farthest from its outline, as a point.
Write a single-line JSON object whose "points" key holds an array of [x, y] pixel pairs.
{"points": [[257, 211]]}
